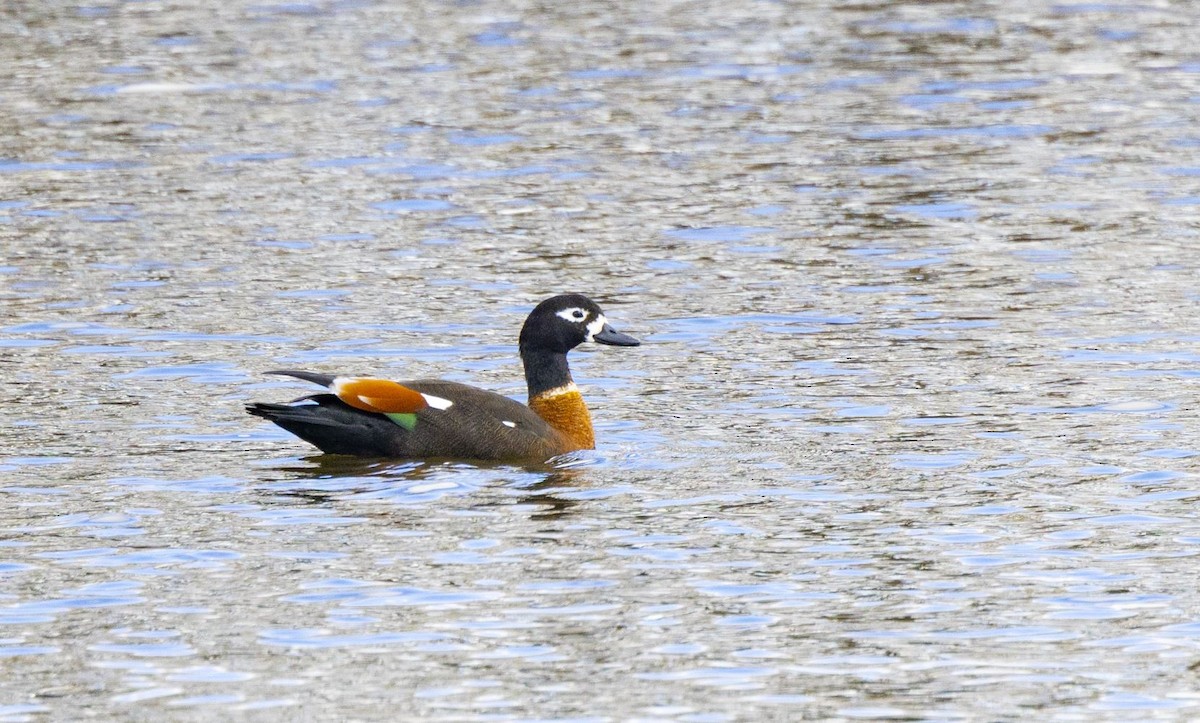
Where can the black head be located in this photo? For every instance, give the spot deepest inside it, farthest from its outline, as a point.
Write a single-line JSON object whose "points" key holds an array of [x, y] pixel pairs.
{"points": [[561, 323]]}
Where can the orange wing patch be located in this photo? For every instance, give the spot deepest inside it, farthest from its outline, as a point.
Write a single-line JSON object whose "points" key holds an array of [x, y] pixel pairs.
{"points": [[378, 395]]}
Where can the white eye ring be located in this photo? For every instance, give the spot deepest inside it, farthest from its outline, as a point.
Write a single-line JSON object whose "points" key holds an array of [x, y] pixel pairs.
{"points": [[573, 314]]}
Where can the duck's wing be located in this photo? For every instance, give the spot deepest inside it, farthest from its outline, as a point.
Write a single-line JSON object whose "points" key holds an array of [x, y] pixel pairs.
{"points": [[475, 423]]}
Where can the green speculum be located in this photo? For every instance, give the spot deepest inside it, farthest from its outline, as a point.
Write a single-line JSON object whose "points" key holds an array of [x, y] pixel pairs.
{"points": [[406, 420]]}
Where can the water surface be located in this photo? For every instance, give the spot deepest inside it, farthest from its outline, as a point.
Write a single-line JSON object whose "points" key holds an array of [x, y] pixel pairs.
{"points": [[911, 435]]}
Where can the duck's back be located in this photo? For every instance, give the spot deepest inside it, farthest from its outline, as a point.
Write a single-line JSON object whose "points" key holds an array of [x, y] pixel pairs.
{"points": [[477, 424]]}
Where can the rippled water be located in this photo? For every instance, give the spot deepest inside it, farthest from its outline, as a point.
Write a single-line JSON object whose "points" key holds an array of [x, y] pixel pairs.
{"points": [[911, 436]]}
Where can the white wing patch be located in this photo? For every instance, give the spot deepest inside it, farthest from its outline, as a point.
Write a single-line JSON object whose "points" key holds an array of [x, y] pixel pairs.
{"points": [[596, 326], [509, 424], [437, 402]]}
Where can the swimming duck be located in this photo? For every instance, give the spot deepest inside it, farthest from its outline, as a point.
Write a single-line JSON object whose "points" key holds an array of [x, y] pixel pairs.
{"points": [[435, 418]]}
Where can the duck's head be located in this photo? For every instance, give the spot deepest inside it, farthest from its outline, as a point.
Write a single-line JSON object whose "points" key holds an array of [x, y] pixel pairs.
{"points": [[561, 323]]}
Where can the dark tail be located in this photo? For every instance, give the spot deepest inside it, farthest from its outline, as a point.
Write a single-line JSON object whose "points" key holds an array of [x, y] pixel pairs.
{"points": [[285, 414], [333, 426], [323, 379]]}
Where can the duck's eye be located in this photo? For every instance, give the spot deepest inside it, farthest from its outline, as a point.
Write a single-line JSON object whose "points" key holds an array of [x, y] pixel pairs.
{"points": [[575, 314]]}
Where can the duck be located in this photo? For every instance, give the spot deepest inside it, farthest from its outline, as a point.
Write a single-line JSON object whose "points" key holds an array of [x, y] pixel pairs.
{"points": [[435, 418]]}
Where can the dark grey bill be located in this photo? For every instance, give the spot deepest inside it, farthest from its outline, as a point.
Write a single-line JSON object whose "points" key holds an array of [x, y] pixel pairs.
{"points": [[609, 335]]}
